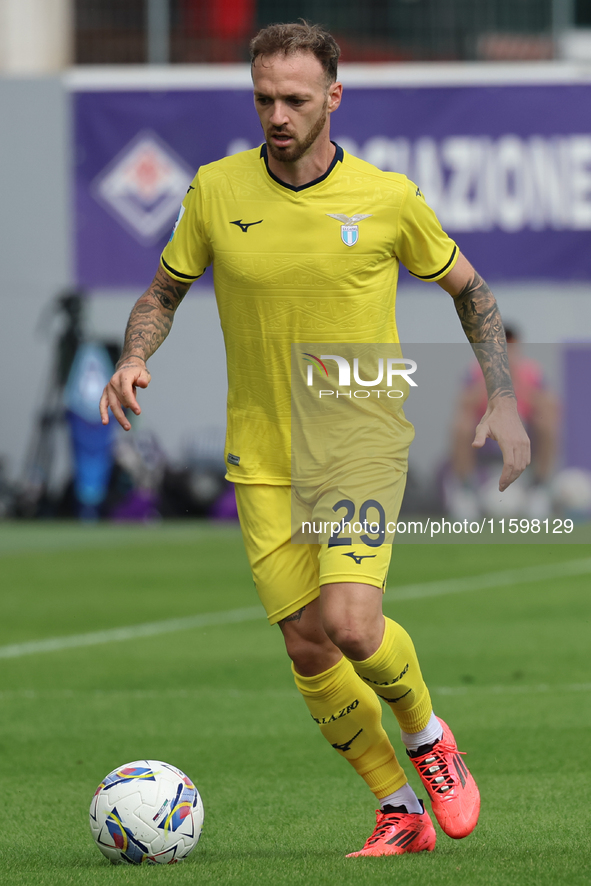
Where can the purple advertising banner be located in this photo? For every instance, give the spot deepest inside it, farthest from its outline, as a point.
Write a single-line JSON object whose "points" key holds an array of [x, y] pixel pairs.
{"points": [[507, 168]]}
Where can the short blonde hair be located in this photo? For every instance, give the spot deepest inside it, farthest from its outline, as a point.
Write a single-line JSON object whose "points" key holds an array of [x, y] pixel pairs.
{"points": [[295, 37]]}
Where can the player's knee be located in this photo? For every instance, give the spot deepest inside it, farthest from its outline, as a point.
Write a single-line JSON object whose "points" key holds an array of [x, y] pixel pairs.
{"points": [[310, 657], [354, 640], [351, 645]]}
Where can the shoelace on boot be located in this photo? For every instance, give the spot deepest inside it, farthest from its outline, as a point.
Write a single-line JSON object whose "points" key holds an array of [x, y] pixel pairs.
{"points": [[434, 769]]}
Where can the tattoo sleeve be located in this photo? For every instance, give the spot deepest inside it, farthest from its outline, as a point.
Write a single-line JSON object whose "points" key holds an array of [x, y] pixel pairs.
{"points": [[480, 318], [151, 317]]}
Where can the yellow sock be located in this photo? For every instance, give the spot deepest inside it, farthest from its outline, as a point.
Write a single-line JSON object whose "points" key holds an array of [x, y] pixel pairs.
{"points": [[394, 674], [350, 718]]}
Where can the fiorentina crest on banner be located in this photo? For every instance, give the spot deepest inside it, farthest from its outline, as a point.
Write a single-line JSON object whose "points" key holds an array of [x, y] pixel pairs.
{"points": [[349, 230], [143, 186]]}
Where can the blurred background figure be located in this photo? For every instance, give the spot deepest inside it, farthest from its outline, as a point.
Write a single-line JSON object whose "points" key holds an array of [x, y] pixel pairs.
{"points": [[471, 484], [69, 415], [92, 448]]}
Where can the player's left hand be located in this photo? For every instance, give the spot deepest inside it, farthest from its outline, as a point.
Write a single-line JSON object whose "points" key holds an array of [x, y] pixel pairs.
{"points": [[501, 422]]}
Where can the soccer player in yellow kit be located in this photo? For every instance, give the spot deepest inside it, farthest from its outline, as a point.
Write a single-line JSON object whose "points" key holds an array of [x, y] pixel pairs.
{"points": [[305, 243]]}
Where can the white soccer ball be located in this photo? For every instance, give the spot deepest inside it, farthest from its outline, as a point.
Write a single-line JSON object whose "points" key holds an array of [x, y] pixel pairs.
{"points": [[146, 812]]}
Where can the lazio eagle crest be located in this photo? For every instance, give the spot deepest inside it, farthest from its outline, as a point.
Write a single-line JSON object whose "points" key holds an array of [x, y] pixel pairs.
{"points": [[349, 228]]}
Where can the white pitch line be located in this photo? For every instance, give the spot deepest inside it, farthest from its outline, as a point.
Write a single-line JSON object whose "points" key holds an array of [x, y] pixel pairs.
{"points": [[565, 569], [527, 574], [132, 632]]}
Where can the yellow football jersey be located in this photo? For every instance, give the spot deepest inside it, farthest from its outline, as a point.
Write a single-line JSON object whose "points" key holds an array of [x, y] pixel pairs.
{"points": [[317, 263]]}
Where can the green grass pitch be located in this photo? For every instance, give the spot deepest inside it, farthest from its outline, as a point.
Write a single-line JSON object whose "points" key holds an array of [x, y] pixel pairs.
{"points": [[508, 667]]}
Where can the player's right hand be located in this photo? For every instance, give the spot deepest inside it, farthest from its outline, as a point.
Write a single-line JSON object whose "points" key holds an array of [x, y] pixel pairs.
{"points": [[120, 392]]}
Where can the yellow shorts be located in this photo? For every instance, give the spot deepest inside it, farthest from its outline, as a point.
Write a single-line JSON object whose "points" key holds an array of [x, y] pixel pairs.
{"points": [[288, 576]]}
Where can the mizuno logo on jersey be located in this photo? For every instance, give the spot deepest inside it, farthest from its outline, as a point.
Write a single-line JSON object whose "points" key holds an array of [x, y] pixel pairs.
{"points": [[349, 227], [244, 226], [359, 557]]}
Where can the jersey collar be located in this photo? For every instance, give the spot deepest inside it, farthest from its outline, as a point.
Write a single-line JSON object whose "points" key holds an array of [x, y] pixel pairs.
{"points": [[338, 158]]}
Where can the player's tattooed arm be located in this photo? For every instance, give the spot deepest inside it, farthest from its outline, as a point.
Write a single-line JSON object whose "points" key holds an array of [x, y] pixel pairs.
{"points": [[481, 321], [148, 325], [151, 318]]}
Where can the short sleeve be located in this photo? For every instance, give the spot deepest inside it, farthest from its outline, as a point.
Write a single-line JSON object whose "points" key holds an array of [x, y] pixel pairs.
{"points": [[422, 245], [187, 254]]}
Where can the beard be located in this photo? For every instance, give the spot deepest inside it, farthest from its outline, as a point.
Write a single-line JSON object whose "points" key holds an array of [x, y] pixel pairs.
{"points": [[293, 152]]}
